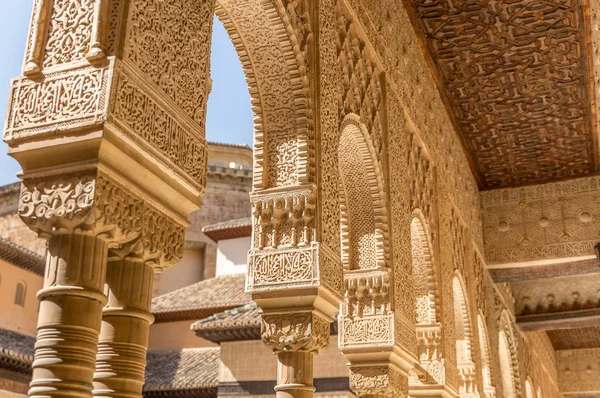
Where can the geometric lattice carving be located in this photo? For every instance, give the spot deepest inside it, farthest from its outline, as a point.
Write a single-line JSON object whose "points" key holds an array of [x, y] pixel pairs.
{"points": [[362, 199], [515, 77]]}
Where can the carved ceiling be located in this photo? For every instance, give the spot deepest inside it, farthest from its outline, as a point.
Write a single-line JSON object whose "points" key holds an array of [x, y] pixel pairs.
{"points": [[516, 78]]}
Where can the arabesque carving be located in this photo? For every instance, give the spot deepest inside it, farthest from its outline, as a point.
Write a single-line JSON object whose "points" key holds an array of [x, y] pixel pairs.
{"points": [[366, 319], [284, 219], [97, 205], [523, 109], [299, 331]]}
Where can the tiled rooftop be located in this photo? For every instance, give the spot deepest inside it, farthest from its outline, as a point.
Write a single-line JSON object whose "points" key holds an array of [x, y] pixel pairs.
{"points": [[190, 369], [201, 299], [21, 257]]}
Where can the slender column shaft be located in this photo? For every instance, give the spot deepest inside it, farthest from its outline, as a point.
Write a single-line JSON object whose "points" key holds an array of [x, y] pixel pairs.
{"points": [[294, 374], [126, 323], [70, 314]]}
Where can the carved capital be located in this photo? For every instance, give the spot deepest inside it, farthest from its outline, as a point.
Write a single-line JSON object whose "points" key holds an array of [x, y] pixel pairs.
{"points": [[95, 204], [383, 380], [296, 331]]}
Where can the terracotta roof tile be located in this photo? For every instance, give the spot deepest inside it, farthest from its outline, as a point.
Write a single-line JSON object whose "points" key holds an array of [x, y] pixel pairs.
{"points": [[237, 228], [201, 299], [183, 372], [242, 323], [22, 257], [16, 351]]}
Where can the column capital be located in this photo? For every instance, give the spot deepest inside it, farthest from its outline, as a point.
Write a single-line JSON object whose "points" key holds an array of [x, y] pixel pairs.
{"points": [[305, 331], [380, 380], [93, 203]]}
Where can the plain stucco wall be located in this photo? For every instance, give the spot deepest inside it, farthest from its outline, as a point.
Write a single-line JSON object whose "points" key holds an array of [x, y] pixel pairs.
{"points": [[232, 256], [174, 336], [14, 317], [252, 361], [187, 272]]}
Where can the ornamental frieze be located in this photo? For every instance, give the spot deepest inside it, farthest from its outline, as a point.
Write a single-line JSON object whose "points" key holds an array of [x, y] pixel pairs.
{"points": [[555, 220], [62, 100], [309, 266]]}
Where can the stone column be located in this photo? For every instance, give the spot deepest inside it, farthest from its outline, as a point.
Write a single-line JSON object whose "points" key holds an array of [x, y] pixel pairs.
{"points": [[294, 374], [70, 311], [81, 215], [126, 321], [296, 281], [295, 336]]}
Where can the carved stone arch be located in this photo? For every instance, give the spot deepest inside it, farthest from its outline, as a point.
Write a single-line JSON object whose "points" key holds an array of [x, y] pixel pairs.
{"points": [[486, 364], [464, 337], [272, 42], [424, 277], [426, 302], [508, 354], [363, 210]]}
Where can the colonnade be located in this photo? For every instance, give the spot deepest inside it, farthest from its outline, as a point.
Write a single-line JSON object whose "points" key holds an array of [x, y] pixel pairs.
{"points": [[108, 122]]}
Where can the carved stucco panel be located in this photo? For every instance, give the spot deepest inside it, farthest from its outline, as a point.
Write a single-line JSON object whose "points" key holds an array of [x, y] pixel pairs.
{"points": [[173, 55], [69, 31], [64, 100], [276, 269], [161, 128], [555, 220]]}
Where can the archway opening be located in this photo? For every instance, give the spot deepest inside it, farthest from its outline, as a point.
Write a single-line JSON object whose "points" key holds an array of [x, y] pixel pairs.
{"points": [[506, 368], [464, 356], [422, 275], [484, 348], [428, 329], [529, 393], [361, 202]]}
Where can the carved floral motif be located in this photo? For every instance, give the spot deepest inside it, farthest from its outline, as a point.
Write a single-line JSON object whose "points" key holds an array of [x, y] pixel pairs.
{"points": [[97, 205], [297, 331], [173, 55], [69, 33]]}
